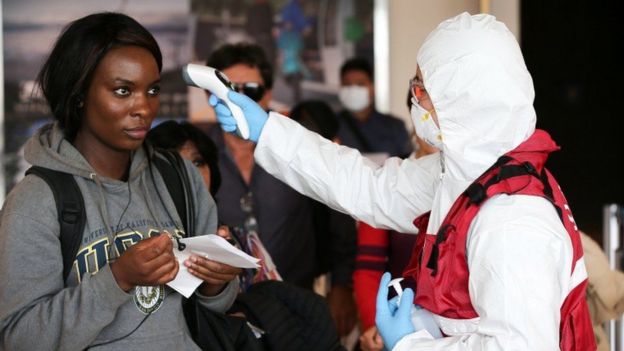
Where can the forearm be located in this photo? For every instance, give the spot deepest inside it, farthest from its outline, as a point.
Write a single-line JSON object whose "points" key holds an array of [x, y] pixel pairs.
{"points": [[222, 301], [70, 319], [371, 262], [365, 284], [390, 196]]}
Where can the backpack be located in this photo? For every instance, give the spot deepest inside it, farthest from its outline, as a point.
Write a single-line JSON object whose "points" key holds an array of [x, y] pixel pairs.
{"points": [[72, 216], [71, 210]]}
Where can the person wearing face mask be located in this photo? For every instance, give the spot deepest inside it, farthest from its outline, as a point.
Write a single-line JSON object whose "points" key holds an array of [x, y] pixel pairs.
{"points": [[361, 125], [498, 260]]}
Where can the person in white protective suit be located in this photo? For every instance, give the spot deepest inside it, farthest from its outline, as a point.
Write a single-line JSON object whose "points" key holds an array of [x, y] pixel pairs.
{"points": [[523, 260]]}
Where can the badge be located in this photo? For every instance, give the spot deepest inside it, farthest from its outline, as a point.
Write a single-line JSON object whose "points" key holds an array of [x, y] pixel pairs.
{"points": [[148, 299]]}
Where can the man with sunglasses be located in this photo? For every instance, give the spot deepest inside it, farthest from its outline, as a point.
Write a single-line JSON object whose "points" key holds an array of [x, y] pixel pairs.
{"points": [[285, 219], [498, 258]]}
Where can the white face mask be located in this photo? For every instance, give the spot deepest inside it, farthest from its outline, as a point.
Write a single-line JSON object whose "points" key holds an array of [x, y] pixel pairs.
{"points": [[354, 97], [425, 127]]}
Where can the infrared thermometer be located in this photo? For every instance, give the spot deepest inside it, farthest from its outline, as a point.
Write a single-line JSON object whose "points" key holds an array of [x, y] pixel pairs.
{"points": [[421, 318], [218, 84], [396, 284]]}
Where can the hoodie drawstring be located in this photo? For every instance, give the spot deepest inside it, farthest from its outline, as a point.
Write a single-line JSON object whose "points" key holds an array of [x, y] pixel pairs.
{"points": [[102, 208], [149, 200]]}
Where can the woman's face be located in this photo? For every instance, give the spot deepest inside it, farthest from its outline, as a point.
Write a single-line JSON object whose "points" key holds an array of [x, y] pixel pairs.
{"points": [[121, 101], [189, 151]]}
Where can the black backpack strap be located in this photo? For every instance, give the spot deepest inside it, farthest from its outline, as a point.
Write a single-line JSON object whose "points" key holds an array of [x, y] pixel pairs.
{"points": [[173, 172], [176, 178], [71, 212], [477, 192]]}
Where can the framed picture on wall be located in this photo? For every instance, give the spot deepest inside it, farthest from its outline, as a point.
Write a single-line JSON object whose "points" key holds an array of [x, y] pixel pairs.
{"points": [[305, 40]]}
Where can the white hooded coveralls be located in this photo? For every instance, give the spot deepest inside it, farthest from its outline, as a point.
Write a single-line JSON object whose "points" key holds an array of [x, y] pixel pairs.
{"points": [[519, 254]]}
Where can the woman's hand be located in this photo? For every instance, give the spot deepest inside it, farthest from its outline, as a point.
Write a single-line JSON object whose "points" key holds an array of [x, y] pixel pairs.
{"points": [[149, 262], [214, 274], [342, 308], [224, 232], [370, 340]]}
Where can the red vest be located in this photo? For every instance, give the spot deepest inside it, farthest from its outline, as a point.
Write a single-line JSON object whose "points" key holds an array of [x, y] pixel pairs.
{"points": [[440, 270]]}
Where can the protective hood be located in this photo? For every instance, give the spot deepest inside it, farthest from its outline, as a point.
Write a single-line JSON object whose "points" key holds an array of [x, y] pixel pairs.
{"points": [[483, 94]]}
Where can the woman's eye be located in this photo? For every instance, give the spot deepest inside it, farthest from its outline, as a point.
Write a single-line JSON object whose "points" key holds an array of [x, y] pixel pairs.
{"points": [[154, 91], [122, 91], [199, 163]]}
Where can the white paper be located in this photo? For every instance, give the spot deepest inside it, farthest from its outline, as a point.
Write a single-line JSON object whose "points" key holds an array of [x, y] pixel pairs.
{"points": [[212, 247]]}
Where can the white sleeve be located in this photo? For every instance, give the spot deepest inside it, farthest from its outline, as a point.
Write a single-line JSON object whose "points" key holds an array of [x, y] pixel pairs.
{"points": [[390, 196], [519, 258]]}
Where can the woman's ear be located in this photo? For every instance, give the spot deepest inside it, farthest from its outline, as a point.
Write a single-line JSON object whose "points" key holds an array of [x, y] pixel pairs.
{"points": [[80, 101]]}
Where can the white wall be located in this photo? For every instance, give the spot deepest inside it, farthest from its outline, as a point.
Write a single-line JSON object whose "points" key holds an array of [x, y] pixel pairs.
{"points": [[409, 22], [508, 12], [2, 186]]}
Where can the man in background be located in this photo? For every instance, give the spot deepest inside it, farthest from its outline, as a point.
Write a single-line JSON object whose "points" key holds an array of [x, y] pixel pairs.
{"points": [[362, 126], [249, 197]]}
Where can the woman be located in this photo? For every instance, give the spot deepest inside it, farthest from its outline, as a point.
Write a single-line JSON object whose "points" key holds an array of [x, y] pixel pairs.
{"points": [[101, 81], [192, 144]]}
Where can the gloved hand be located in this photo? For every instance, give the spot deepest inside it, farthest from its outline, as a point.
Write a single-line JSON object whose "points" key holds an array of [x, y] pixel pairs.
{"points": [[393, 322], [255, 115]]}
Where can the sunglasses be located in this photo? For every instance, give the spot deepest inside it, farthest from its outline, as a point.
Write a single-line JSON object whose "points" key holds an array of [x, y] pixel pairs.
{"points": [[254, 91]]}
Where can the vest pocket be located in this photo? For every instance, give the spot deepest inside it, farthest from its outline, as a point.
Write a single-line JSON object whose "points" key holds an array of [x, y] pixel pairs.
{"points": [[577, 333]]}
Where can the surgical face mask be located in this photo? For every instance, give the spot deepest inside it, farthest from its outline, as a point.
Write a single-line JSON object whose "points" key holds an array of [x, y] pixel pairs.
{"points": [[354, 97], [425, 127]]}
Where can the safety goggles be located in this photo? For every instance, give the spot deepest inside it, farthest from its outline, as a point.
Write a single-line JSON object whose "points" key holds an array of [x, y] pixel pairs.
{"points": [[417, 89], [253, 90]]}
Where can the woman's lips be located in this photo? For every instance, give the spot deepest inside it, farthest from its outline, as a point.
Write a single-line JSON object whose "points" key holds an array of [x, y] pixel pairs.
{"points": [[136, 133]]}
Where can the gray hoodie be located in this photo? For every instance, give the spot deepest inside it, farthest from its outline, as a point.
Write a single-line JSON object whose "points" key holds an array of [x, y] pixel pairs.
{"points": [[39, 311]]}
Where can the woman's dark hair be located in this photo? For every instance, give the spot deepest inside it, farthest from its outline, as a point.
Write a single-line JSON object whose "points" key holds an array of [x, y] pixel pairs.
{"points": [[248, 54], [316, 116], [66, 75], [171, 135]]}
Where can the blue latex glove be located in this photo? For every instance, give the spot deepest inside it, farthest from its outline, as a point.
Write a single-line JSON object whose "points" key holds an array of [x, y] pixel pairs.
{"points": [[255, 115], [393, 322]]}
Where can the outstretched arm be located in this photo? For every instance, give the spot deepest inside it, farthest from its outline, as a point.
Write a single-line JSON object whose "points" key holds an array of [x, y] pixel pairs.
{"points": [[390, 196]]}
